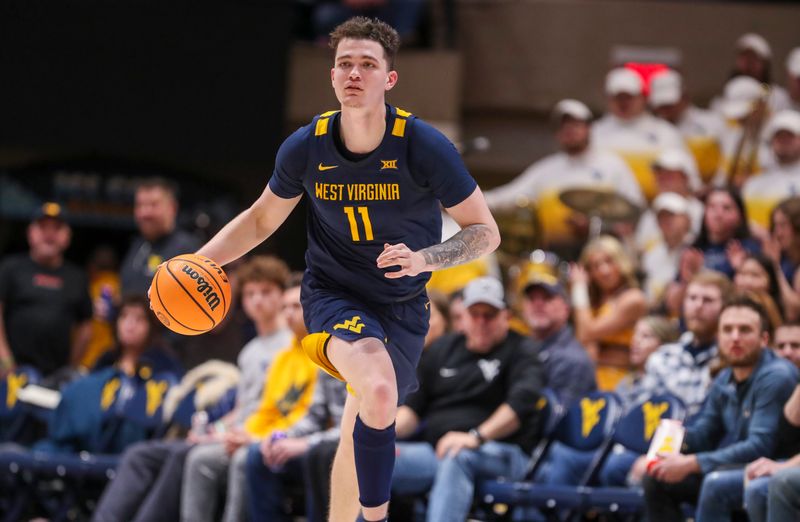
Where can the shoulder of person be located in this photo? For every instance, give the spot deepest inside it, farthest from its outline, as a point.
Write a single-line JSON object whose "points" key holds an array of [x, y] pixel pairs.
{"points": [[424, 135], [13, 261], [776, 367]]}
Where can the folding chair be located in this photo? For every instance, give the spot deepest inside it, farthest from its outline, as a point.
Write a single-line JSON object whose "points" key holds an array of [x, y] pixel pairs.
{"points": [[15, 415], [586, 426]]}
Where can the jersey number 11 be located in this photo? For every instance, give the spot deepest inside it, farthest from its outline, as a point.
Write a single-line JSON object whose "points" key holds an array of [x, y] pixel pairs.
{"points": [[351, 217]]}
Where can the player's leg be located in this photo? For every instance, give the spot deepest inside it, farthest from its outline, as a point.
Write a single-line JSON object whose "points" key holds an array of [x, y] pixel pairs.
{"points": [[344, 486], [366, 366]]}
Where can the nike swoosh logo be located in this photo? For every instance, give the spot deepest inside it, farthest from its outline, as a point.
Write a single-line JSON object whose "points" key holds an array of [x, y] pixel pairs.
{"points": [[326, 167], [448, 372]]}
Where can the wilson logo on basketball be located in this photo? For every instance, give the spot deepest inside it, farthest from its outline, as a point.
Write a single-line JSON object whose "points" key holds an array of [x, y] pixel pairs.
{"points": [[203, 287], [212, 265]]}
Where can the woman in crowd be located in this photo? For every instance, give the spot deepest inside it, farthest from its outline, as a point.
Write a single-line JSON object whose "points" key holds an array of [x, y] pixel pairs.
{"points": [[607, 302], [756, 274], [782, 247]]}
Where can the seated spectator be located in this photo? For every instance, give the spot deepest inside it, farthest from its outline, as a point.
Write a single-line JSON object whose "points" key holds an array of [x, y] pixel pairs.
{"points": [[148, 482], [439, 321], [763, 192], [474, 410], [579, 164], [137, 342], [756, 274], [672, 170], [568, 370], [787, 342], [45, 309], [216, 466], [737, 424], [660, 263], [607, 302], [773, 489], [630, 131], [104, 291], [684, 368], [782, 247], [701, 129]]}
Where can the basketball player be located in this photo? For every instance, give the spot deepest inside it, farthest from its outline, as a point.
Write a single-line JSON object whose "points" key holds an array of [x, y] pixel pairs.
{"points": [[375, 176]]}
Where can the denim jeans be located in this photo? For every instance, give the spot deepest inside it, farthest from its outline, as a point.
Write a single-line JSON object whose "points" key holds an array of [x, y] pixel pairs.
{"points": [[564, 465], [722, 492], [209, 471], [784, 495], [614, 472], [755, 499], [265, 487], [452, 479]]}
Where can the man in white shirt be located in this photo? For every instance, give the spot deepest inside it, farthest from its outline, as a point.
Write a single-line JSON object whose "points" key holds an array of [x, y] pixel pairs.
{"points": [[660, 263], [762, 193], [701, 129], [577, 165], [673, 173], [630, 131]]}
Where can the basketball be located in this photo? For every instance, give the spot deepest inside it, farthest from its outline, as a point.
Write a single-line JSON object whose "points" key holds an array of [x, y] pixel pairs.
{"points": [[190, 294]]}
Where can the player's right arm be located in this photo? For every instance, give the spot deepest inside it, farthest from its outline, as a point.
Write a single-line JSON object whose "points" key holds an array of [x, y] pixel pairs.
{"points": [[250, 228]]}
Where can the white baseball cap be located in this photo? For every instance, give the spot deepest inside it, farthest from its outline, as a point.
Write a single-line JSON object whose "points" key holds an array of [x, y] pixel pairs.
{"points": [[756, 43], [793, 62], [623, 80], [572, 108], [666, 88], [674, 159], [787, 120], [487, 290], [739, 95], [671, 202]]}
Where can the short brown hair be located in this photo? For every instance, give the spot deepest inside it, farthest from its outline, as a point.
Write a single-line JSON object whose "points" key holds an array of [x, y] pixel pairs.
{"points": [[157, 182], [708, 277], [260, 269], [748, 300], [363, 28]]}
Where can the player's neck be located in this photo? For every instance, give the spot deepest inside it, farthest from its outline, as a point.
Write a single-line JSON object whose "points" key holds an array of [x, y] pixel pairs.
{"points": [[362, 129]]}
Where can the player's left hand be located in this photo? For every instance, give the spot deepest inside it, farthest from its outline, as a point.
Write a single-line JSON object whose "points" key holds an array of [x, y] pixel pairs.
{"points": [[454, 441], [411, 263]]}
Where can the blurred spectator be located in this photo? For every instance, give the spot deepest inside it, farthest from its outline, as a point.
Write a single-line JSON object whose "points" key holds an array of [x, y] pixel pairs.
{"points": [[155, 210], [148, 482], [723, 232], [772, 486], [474, 409], [45, 309], [756, 274], [137, 341], [568, 370], [577, 165], [606, 302], [761, 193], [660, 263], [218, 466], [457, 312], [684, 368], [701, 129], [744, 149], [754, 60], [737, 424], [104, 290], [403, 15], [630, 131], [793, 78], [783, 249], [672, 169], [439, 321], [787, 342]]}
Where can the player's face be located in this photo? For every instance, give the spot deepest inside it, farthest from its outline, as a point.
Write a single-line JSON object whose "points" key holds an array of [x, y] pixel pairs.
{"points": [[484, 327], [740, 336], [154, 211], [261, 300], [293, 312], [361, 74], [133, 326], [787, 343], [48, 237]]}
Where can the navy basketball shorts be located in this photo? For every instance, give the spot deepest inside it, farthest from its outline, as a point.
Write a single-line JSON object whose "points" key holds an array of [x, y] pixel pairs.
{"points": [[401, 326]]}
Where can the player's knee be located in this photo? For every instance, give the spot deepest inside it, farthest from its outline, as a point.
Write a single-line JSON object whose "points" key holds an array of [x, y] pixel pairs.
{"points": [[378, 402]]}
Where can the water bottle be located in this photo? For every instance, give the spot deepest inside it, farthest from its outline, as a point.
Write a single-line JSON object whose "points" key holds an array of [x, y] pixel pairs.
{"points": [[276, 436], [200, 424]]}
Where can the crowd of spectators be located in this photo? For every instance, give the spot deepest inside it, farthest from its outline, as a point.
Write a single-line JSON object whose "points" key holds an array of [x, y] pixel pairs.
{"points": [[698, 297]]}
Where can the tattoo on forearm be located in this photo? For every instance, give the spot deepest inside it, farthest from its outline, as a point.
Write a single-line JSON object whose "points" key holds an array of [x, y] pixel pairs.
{"points": [[469, 243]]}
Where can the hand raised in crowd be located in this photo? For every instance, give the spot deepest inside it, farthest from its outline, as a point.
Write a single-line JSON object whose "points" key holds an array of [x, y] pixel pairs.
{"points": [[771, 249], [578, 275], [691, 263], [735, 253], [454, 441], [763, 467]]}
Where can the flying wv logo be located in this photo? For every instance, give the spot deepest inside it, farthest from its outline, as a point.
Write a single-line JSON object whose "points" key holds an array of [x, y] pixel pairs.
{"points": [[354, 325]]}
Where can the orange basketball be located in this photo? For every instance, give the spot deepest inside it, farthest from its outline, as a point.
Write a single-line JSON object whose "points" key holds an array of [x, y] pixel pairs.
{"points": [[190, 294]]}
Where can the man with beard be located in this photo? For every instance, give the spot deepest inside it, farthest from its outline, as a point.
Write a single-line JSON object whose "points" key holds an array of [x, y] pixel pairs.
{"points": [[737, 424]]}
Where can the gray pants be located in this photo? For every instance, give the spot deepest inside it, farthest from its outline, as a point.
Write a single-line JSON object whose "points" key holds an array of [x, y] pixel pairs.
{"points": [[784, 495], [207, 472]]}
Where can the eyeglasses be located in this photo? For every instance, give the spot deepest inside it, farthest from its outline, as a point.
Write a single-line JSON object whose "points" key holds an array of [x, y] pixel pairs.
{"points": [[486, 315]]}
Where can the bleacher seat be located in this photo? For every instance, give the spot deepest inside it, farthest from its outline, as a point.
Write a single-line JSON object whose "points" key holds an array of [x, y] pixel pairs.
{"points": [[15, 414]]}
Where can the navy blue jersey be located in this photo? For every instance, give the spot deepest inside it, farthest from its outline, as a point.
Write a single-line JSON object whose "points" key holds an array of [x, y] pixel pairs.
{"points": [[390, 196]]}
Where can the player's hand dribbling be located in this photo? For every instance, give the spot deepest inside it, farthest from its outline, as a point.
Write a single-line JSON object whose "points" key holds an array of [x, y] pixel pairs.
{"points": [[411, 263]]}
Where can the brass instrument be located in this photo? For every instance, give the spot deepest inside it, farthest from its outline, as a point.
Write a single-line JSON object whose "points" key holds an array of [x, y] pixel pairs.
{"points": [[745, 158]]}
